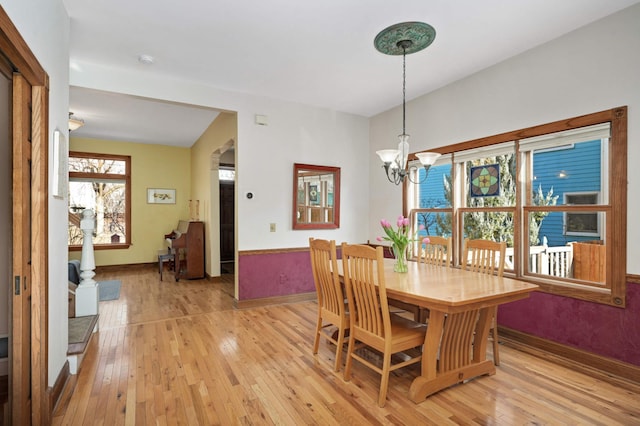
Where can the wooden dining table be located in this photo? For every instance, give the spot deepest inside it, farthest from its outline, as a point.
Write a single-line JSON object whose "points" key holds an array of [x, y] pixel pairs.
{"points": [[461, 308]]}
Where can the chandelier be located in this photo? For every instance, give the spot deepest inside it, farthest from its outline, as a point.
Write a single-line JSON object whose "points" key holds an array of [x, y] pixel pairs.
{"points": [[403, 39]]}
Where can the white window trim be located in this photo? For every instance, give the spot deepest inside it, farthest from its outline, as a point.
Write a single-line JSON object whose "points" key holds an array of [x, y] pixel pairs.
{"points": [[558, 139]]}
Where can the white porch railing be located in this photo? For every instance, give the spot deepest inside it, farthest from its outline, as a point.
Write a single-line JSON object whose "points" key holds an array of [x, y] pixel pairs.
{"points": [[553, 261]]}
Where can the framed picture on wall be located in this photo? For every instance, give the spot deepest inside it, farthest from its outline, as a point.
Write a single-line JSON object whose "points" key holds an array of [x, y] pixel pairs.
{"points": [[161, 196]]}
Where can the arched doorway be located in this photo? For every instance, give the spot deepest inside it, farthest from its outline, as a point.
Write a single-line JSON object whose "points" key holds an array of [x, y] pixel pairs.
{"points": [[223, 191]]}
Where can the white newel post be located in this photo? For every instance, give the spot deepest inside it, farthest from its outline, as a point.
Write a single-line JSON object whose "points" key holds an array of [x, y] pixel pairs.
{"points": [[87, 291]]}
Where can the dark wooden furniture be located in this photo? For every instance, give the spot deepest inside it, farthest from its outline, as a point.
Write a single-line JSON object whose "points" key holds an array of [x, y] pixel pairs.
{"points": [[187, 244]]}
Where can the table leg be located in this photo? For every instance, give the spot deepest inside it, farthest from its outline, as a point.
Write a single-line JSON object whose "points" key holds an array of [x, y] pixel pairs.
{"points": [[450, 356]]}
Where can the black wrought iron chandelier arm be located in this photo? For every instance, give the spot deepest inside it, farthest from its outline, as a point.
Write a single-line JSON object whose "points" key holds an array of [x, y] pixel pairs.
{"points": [[420, 181], [396, 176]]}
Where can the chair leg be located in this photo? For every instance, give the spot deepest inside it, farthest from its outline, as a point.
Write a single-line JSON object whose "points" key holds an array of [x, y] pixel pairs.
{"points": [[347, 366], [339, 344], [316, 341], [496, 353], [424, 315], [384, 382], [417, 314]]}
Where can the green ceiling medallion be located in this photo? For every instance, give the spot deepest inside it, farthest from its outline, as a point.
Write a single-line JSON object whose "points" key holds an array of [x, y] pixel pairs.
{"points": [[404, 38]]}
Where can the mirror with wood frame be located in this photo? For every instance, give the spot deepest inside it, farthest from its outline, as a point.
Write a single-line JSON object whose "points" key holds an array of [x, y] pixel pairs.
{"points": [[316, 197]]}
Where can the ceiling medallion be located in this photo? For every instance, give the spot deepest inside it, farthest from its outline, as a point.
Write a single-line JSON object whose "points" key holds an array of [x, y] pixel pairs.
{"points": [[404, 38]]}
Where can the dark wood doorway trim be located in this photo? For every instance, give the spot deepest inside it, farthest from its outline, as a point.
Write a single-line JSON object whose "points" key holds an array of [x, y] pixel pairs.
{"points": [[15, 49]]}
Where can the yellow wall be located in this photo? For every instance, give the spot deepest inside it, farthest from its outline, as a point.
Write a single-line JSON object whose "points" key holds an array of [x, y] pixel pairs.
{"points": [[222, 130], [152, 166]]}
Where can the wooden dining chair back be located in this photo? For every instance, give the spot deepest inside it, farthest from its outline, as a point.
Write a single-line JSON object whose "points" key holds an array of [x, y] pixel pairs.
{"points": [[332, 312], [486, 257], [437, 251], [372, 325]]}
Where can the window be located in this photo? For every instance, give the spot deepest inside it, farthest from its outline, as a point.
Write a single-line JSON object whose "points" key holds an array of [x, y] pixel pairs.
{"points": [[433, 199], [101, 183], [550, 192], [581, 223]]}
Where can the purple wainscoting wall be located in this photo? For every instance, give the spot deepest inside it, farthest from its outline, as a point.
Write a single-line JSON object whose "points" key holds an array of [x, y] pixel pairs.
{"points": [[601, 329], [593, 327], [274, 274]]}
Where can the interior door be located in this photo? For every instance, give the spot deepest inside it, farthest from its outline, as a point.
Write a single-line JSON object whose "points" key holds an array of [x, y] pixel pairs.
{"points": [[227, 219], [21, 287]]}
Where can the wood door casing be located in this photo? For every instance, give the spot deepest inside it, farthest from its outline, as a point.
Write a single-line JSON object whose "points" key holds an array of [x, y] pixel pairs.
{"points": [[21, 374]]}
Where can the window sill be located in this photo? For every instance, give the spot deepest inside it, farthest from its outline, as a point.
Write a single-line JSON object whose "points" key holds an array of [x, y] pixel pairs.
{"points": [[578, 291]]}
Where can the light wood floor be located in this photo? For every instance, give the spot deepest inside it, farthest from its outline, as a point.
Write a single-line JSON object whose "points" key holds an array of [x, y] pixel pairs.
{"points": [[178, 353]]}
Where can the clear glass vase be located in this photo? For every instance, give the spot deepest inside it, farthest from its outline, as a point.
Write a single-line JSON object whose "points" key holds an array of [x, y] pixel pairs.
{"points": [[400, 253]]}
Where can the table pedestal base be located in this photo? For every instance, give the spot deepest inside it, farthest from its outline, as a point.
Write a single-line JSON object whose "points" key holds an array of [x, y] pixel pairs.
{"points": [[455, 350], [422, 387]]}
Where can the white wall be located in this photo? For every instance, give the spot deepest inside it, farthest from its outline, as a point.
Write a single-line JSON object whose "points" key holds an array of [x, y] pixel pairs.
{"points": [[44, 25], [265, 154], [591, 69]]}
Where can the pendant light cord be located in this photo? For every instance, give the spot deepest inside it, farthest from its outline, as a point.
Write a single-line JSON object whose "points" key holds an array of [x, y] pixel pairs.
{"points": [[404, 84]]}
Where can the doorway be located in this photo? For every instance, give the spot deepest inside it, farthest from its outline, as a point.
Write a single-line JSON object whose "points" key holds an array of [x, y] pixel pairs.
{"points": [[227, 218]]}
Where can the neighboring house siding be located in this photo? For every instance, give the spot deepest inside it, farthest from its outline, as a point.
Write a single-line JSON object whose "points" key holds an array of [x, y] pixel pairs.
{"points": [[433, 196], [581, 163], [432, 189], [582, 166]]}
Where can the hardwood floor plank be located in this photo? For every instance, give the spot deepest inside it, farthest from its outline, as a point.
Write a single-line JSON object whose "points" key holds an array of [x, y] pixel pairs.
{"points": [[179, 353]]}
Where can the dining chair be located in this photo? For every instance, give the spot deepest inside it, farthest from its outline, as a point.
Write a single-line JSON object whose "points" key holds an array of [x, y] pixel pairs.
{"points": [[437, 251], [332, 311], [486, 257], [400, 307], [372, 325]]}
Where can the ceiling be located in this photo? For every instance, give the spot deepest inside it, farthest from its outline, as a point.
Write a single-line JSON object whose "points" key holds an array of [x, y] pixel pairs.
{"points": [[113, 116], [316, 53]]}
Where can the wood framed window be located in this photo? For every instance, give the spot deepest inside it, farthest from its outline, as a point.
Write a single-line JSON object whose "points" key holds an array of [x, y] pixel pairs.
{"points": [[559, 200], [102, 183]]}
